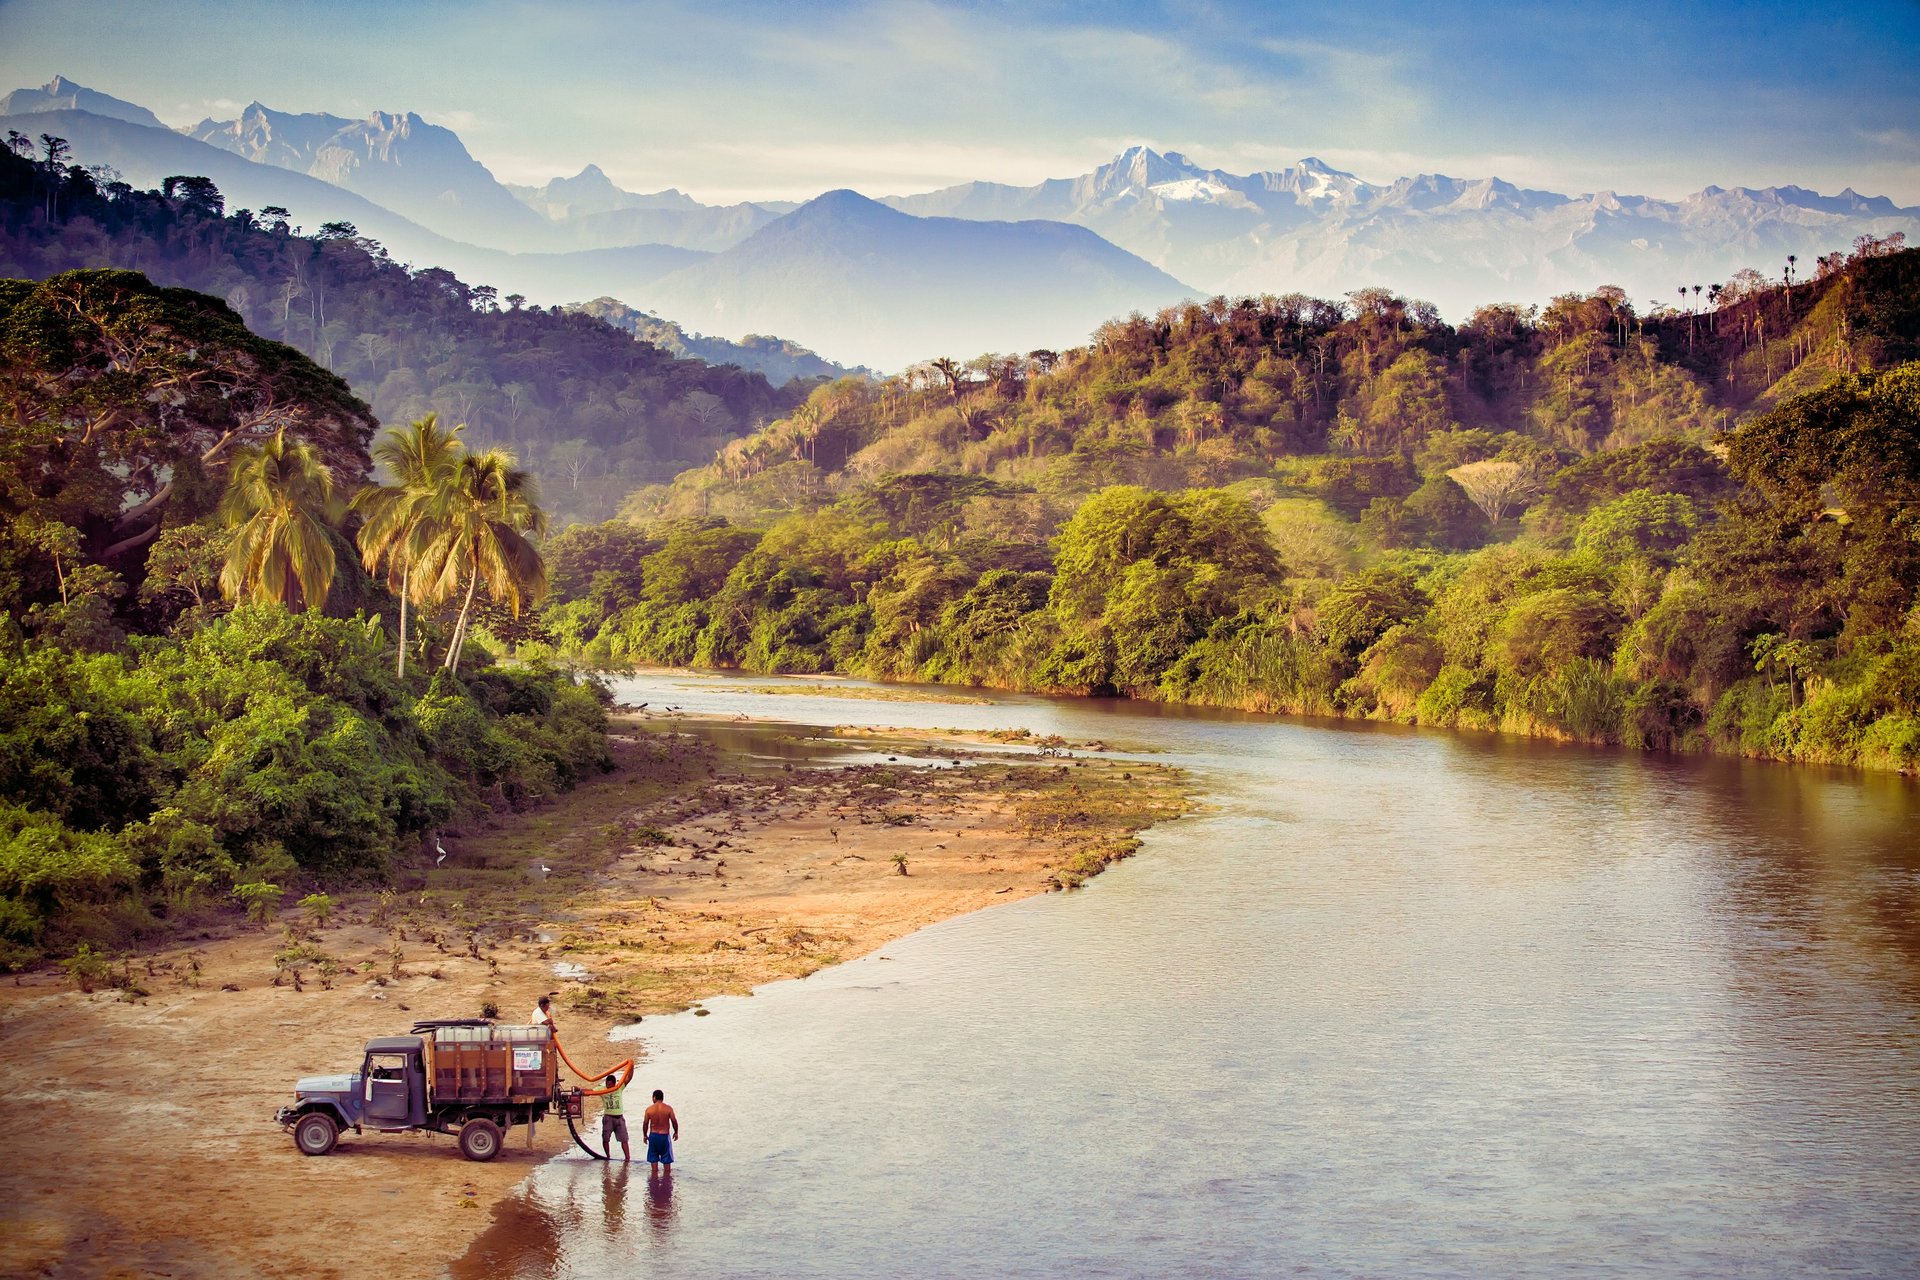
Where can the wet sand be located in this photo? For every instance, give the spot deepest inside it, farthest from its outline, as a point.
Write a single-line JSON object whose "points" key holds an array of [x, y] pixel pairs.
{"points": [[139, 1131]]}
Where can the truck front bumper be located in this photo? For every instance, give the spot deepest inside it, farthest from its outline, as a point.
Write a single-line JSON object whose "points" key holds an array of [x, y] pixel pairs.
{"points": [[285, 1116]]}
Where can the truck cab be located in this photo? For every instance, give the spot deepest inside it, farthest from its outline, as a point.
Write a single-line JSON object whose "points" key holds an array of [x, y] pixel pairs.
{"points": [[393, 1084]]}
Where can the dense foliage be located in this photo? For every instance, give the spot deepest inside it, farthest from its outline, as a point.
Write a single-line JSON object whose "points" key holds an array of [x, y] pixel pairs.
{"points": [[271, 747], [162, 751], [1534, 523], [590, 410]]}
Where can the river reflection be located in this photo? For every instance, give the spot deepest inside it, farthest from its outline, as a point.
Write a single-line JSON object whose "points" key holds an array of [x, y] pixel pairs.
{"points": [[660, 1208], [1400, 1003]]}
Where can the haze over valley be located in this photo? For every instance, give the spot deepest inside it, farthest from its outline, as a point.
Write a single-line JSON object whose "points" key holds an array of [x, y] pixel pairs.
{"points": [[886, 279]]}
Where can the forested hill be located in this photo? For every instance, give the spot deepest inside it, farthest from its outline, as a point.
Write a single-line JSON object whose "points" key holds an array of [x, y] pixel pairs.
{"points": [[1693, 529], [780, 359], [588, 409], [1210, 393]]}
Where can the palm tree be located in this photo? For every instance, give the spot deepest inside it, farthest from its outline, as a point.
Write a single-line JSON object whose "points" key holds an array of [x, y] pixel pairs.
{"points": [[402, 517], [491, 506], [949, 369], [280, 500]]}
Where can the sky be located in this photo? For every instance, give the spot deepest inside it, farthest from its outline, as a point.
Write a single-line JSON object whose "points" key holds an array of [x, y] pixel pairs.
{"points": [[783, 99]]}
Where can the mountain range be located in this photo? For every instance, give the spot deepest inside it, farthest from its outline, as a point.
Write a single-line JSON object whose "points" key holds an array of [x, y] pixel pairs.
{"points": [[1457, 242], [971, 267], [146, 156], [588, 209], [397, 160]]}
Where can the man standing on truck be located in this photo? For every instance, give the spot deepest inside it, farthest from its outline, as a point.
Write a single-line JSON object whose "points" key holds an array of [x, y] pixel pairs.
{"points": [[662, 1128], [613, 1118], [543, 1015]]}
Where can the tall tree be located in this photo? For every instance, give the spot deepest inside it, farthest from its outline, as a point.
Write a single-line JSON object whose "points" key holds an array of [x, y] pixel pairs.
{"points": [[112, 390], [491, 507], [280, 501], [403, 517]]}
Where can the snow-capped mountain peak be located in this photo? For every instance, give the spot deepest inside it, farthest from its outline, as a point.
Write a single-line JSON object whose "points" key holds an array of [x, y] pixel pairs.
{"points": [[1190, 189]]}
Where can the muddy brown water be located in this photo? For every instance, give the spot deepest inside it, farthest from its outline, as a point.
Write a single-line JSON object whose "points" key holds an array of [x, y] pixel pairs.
{"points": [[1400, 1004]]}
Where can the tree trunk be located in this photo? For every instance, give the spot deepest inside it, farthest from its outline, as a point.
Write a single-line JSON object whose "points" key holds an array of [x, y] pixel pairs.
{"points": [[406, 584], [128, 544], [134, 515], [460, 627]]}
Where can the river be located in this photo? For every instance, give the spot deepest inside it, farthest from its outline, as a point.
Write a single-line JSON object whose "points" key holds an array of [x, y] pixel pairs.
{"points": [[1398, 1003]]}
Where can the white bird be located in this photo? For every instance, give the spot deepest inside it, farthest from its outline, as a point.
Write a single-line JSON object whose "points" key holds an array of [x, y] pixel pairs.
{"points": [[439, 849]]}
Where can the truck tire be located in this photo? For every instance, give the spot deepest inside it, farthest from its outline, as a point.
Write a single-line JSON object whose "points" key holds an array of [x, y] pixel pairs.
{"points": [[479, 1139], [315, 1133]]}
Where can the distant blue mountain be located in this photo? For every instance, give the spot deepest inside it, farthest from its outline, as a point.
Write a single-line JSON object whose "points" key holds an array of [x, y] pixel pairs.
{"points": [[62, 94], [146, 156], [859, 281], [419, 170]]}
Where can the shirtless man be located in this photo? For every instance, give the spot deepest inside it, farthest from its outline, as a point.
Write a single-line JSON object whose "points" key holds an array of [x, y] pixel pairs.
{"points": [[662, 1129]]}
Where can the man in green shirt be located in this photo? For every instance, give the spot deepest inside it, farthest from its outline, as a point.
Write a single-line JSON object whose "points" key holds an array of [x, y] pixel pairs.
{"points": [[613, 1118]]}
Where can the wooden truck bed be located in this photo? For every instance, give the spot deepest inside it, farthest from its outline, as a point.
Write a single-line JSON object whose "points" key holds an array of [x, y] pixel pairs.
{"points": [[490, 1064]]}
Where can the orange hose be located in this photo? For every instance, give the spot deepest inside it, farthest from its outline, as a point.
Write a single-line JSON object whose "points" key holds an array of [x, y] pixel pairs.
{"points": [[624, 1070]]}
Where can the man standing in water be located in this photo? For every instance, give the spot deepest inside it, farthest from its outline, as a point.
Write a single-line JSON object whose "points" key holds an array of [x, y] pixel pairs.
{"points": [[662, 1128], [613, 1118]]}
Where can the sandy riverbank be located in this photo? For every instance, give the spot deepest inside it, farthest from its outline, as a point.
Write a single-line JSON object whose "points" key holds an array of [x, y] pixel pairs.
{"points": [[139, 1135]]}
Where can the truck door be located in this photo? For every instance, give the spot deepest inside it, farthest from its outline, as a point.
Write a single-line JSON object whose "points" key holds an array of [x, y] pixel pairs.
{"points": [[388, 1090]]}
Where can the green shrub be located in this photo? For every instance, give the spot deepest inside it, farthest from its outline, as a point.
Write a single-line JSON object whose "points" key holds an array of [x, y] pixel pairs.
{"points": [[1457, 698], [1659, 715], [47, 869], [262, 900], [1892, 742], [87, 969], [1748, 718]]}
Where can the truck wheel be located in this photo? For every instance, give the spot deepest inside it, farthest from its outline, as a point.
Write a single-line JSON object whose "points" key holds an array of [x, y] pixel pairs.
{"points": [[315, 1134], [480, 1139]]}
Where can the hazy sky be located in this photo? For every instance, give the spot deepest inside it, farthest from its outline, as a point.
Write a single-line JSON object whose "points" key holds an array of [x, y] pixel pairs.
{"points": [[786, 98]]}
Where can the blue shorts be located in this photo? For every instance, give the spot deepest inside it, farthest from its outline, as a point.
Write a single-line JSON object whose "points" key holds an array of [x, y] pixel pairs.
{"points": [[659, 1149]]}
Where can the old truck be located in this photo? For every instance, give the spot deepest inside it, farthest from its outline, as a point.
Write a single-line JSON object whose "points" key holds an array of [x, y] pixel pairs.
{"points": [[462, 1076]]}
